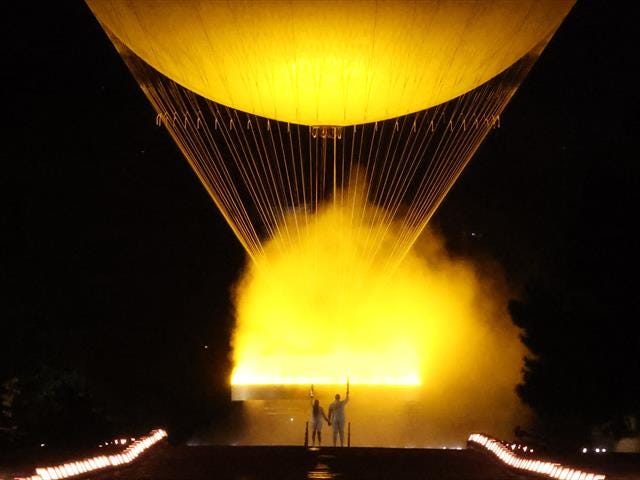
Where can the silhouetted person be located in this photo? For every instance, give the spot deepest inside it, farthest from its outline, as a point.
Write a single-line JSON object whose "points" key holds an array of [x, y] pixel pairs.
{"points": [[317, 417], [337, 417]]}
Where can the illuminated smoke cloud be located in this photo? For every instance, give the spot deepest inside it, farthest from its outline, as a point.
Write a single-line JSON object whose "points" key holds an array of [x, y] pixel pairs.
{"points": [[320, 311]]}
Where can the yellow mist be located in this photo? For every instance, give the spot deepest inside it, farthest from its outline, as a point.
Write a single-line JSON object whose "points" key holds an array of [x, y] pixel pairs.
{"points": [[325, 307]]}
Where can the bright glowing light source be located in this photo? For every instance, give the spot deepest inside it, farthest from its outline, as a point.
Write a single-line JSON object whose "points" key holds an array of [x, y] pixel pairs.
{"points": [[362, 62], [72, 469], [242, 376], [370, 329], [549, 469], [597, 450], [585, 450], [320, 313], [42, 445]]}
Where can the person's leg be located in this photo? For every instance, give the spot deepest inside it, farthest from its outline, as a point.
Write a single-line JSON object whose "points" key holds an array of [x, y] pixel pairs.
{"points": [[342, 435], [335, 434], [319, 438]]}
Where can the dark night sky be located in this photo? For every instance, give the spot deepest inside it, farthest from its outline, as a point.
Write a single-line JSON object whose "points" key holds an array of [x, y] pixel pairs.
{"points": [[112, 251]]}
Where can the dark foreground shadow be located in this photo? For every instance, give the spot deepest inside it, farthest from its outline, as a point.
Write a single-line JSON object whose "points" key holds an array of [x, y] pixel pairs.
{"points": [[284, 463]]}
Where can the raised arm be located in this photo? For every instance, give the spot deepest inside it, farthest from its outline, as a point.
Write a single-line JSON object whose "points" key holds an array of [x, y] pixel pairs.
{"points": [[346, 400]]}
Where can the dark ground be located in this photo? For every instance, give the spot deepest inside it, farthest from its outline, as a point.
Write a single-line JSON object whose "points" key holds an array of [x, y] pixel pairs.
{"points": [[284, 463], [168, 462]]}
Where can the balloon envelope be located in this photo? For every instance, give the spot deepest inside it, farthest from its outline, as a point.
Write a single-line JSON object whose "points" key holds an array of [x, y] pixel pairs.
{"points": [[332, 62]]}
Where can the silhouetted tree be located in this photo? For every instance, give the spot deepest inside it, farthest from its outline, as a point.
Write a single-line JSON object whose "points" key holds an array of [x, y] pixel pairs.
{"points": [[583, 366]]}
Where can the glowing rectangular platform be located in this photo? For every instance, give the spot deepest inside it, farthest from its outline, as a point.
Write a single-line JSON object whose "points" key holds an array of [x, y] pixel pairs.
{"points": [[241, 393]]}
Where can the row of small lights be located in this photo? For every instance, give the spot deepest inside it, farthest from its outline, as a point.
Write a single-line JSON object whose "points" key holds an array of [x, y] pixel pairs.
{"points": [[79, 467], [597, 450], [121, 441], [117, 441], [549, 469], [524, 448]]}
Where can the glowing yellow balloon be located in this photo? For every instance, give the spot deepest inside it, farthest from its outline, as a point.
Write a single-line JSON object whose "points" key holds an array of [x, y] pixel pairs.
{"points": [[331, 62]]}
